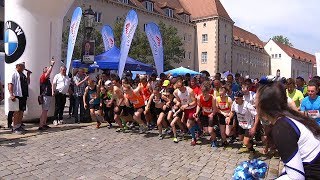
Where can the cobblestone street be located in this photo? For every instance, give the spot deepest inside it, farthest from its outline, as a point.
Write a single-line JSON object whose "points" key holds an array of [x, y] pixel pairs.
{"points": [[83, 152]]}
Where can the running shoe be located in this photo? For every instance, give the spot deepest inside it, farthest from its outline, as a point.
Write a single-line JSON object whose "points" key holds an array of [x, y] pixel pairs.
{"points": [[60, 122], [161, 136], [193, 142], [55, 122], [214, 144], [98, 124], [175, 140], [46, 127], [119, 130], [225, 144], [110, 126], [232, 139]]}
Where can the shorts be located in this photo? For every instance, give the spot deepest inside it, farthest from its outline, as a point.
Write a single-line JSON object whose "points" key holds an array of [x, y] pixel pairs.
{"points": [[122, 109], [143, 117], [220, 118], [46, 103], [94, 106], [157, 111], [244, 132], [188, 113], [205, 121], [22, 103]]}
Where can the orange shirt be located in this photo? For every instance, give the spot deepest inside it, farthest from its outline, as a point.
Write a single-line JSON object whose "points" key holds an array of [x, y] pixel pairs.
{"points": [[136, 100], [145, 91]]}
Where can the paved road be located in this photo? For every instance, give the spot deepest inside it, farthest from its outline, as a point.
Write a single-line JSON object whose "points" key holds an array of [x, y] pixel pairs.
{"points": [[83, 152]]}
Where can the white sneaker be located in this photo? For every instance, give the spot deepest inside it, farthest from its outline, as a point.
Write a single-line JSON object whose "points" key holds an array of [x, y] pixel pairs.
{"points": [[60, 122], [55, 122]]}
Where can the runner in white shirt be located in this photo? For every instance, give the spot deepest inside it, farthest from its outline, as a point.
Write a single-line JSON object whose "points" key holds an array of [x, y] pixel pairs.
{"points": [[247, 119]]}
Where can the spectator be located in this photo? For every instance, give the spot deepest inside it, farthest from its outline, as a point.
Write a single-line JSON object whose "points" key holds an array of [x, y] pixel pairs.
{"points": [[80, 83], [18, 89], [46, 94], [60, 88]]}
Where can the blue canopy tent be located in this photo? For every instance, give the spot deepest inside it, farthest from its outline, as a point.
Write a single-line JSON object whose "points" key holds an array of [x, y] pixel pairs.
{"points": [[181, 71], [110, 60]]}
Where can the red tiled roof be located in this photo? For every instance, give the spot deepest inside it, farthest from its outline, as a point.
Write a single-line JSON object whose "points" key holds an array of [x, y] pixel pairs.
{"points": [[247, 37], [204, 8], [296, 53]]}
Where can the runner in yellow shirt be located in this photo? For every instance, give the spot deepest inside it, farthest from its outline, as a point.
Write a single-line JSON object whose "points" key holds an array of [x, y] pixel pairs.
{"points": [[293, 93]]}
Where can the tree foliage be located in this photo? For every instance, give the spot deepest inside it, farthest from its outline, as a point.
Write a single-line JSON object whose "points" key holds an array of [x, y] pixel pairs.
{"points": [[140, 48], [283, 40]]}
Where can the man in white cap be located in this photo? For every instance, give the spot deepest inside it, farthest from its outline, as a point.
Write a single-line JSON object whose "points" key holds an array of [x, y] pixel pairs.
{"points": [[18, 90]]}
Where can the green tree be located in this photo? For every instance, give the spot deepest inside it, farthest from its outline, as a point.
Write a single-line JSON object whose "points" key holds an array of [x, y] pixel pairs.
{"points": [[77, 52], [140, 48], [283, 40]]}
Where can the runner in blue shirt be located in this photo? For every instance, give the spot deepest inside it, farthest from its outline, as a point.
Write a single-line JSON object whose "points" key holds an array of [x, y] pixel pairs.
{"points": [[310, 105]]}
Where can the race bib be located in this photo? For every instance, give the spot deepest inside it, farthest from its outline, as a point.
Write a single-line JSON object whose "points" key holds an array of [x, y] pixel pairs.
{"points": [[207, 110], [313, 114], [223, 105], [242, 121], [135, 102]]}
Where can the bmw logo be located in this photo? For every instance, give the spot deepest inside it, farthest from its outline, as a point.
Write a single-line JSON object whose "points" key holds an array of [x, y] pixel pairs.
{"points": [[14, 41]]}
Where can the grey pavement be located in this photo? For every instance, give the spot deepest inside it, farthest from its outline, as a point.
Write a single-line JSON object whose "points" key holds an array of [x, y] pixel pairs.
{"points": [[75, 151]]}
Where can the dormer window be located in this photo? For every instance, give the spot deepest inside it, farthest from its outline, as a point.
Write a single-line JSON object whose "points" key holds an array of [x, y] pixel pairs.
{"points": [[169, 12], [124, 1], [186, 17], [149, 6]]}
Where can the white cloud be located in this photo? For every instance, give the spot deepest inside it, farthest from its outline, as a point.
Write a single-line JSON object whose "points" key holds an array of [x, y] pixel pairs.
{"points": [[296, 19]]}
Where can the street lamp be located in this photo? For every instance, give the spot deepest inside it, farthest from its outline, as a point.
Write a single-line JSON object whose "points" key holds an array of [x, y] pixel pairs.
{"points": [[89, 17]]}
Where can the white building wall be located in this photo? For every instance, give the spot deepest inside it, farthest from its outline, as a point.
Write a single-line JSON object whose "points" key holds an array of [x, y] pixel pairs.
{"points": [[284, 63]]}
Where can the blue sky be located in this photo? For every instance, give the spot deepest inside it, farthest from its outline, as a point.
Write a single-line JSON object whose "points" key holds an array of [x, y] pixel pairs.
{"points": [[299, 20]]}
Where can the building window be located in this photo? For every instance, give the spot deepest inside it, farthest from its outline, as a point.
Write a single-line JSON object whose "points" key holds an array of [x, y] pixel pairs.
{"points": [[272, 55], [270, 49], [204, 24], [98, 16], [184, 55], [189, 55], [186, 18], [225, 38], [169, 12], [225, 57], [279, 55], [184, 37], [204, 38], [276, 55], [149, 6], [124, 1], [189, 37], [144, 27], [204, 57]]}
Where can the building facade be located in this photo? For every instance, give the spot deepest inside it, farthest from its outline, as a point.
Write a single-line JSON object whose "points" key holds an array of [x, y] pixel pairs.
{"points": [[210, 39], [290, 61]]}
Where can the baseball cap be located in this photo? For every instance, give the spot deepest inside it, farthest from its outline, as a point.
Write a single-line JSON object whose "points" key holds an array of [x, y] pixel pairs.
{"points": [[166, 83]]}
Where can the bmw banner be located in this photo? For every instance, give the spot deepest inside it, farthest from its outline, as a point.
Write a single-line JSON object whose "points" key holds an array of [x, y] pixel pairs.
{"points": [[130, 26], [108, 37], [155, 41], [74, 26]]}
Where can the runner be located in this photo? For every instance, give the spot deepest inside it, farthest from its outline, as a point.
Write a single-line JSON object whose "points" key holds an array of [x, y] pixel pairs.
{"points": [[120, 109], [134, 97], [91, 97], [293, 93], [247, 119], [206, 108], [186, 97], [158, 101], [310, 105], [107, 102], [223, 104]]}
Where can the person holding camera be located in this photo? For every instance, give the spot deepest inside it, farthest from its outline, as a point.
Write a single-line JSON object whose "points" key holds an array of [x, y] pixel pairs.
{"points": [[45, 97], [60, 88], [80, 84]]}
